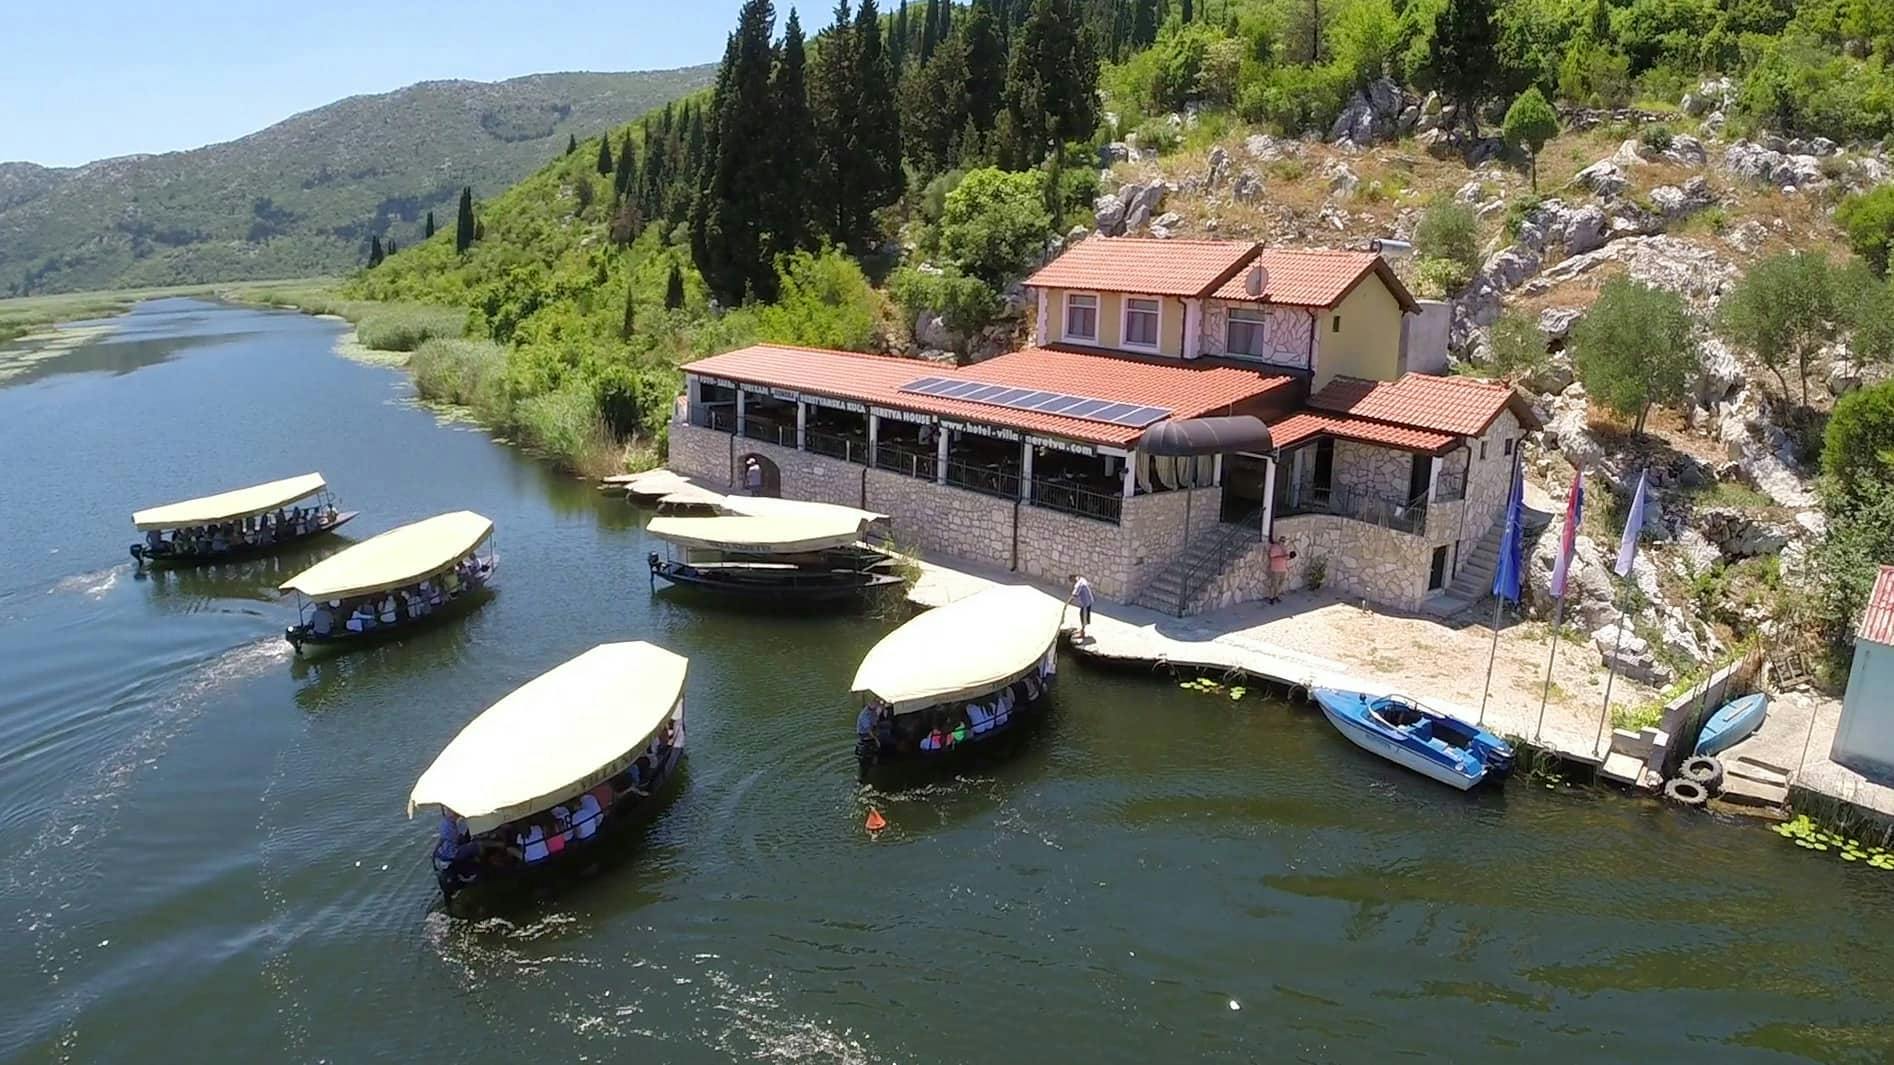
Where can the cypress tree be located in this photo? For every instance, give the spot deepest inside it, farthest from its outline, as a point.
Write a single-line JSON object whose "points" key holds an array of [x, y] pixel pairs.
{"points": [[935, 105], [945, 28], [390, 250], [631, 312], [1143, 23], [834, 102], [986, 65], [605, 154], [1186, 12], [674, 288], [788, 220], [572, 143], [929, 24], [428, 226], [625, 176], [464, 223], [703, 177], [1051, 85], [733, 204], [898, 44], [374, 252], [881, 179]]}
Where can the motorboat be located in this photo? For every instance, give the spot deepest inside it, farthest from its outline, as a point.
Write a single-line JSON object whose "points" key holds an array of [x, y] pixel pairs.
{"points": [[776, 550], [393, 583], [543, 781], [1731, 724], [238, 524], [1405, 732], [955, 679]]}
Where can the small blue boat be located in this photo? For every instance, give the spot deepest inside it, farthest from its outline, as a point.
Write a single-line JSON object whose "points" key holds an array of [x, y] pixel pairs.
{"points": [[1425, 740], [1732, 724]]}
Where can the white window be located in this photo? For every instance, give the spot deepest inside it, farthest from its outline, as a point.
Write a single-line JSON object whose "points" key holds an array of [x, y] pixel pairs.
{"points": [[1248, 332], [1081, 316], [1141, 323]]}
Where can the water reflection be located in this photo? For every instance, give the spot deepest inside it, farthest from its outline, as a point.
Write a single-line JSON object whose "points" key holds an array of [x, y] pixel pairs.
{"points": [[152, 333]]}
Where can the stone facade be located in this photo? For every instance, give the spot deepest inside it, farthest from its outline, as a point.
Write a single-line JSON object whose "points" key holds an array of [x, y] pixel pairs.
{"points": [[1357, 560], [1288, 333], [1366, 470], [939, 519]]}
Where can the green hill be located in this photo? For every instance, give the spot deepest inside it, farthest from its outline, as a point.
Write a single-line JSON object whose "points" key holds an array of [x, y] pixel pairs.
{"points": [[303, 197]]}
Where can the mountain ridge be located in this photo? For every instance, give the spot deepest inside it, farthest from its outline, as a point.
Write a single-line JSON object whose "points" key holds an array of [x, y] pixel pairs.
{"points": [[303, 196]]}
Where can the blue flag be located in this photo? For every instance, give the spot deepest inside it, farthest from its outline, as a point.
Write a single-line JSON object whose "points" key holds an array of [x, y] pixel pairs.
{"points": [[1512, 542]]}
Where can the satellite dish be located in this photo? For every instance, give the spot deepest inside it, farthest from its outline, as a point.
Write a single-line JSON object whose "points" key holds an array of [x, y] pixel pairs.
{"points": [[1257, 282]]}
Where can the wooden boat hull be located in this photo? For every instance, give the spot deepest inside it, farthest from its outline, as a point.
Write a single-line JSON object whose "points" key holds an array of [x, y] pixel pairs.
{"points": [[308, 645], [789, 585], [883, 766], [168, 561], [484, 888], [1347, 712], [1733, 723]]}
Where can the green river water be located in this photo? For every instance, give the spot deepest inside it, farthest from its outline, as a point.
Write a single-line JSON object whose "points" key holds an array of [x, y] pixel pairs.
{"points": [[204, 854]]}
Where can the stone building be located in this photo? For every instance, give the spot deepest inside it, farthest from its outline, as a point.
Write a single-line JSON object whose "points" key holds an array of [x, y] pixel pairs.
{"points": [[1181, 401]]}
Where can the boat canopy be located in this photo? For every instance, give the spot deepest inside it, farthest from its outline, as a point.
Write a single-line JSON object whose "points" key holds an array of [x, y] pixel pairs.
{"points": [[399, 556], [962, 650], [690, 495], [769, 507], [788, 533], [650, 482], [555, 736], [230, 506]]}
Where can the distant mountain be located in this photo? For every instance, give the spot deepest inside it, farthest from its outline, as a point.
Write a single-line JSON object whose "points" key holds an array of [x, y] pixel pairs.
{"points": [[304, 196]]}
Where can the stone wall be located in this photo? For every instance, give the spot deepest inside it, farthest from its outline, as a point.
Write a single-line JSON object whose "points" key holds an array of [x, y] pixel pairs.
{"points": [[1359, 560], [705, 456], [1288, 333], [941, 519], [1364, 469]]}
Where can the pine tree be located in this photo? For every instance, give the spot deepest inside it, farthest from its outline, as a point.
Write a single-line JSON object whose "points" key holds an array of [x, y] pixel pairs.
{"points": [[631, 312], [986, 65], [572, 143], [1051, 85], [464, 223], [605, 154], [929, 23], [674, 288], [374, 252], [427, 229], [1463, 61], [788, 217], [733, 200]]}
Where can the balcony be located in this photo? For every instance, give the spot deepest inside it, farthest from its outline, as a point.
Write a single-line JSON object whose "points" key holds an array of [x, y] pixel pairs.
{"points": [[1063, 495], [842, 446], [1408, 516], [911, 461]]}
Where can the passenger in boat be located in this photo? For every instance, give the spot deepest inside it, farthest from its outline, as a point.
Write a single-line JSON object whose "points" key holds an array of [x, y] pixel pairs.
{"points": [[362, 619], [865, 723], [1082, 594], [220, 541], [322, 622], [668, 738], [561, 829], [980, 718], [586, 822], [532, 844], [154, 540], [388, 615], [1032, 686]]}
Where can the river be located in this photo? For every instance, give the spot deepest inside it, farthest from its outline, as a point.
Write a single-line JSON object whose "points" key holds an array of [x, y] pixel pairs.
{"points": [[206, 856]]}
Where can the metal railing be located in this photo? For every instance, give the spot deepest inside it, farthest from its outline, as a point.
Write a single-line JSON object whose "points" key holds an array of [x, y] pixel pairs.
{"points": [[1069, 498], [1230, 540], [836, 445], [769, 430], [918, 464], [719, 419], [987, 480], [1408, 516]]}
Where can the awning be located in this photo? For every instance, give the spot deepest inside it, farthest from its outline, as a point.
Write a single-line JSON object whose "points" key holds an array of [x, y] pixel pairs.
{"points": [[397, 557], [963, 650], [1207, 436], [770, 507], [759, 534], [555, 736], [230, 506]]}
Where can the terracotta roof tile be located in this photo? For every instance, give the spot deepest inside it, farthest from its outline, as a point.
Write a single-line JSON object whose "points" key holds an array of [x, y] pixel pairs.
{"points": [[1313, 277], [1146, 265], [1188, 390], [1877, 622], [1463, 406], [1307, 425]]}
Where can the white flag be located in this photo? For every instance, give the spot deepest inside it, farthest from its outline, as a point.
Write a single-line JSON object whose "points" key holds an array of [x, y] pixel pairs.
{"points": [[1633, 525]]}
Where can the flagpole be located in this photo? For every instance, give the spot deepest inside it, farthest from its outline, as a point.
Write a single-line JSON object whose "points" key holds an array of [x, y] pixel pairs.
{"points": [[1507, 534], [1558, 621], [1626, 565], [1618, 642]]}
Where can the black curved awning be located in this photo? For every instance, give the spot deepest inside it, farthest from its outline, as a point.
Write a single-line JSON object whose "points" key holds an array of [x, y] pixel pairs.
{"points": [[1207, 436]]}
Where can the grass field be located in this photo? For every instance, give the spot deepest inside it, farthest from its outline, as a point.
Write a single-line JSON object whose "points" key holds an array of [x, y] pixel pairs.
{"points": [[28, 314]]}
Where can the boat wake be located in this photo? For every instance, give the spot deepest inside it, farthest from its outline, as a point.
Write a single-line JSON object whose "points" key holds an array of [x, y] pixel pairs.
{"points": [[50, 897], [91, 585]]}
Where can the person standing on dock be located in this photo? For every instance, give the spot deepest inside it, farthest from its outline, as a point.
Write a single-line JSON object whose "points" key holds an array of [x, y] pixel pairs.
{"points": [[1082, 594], [752, 477], [1279, 556]]}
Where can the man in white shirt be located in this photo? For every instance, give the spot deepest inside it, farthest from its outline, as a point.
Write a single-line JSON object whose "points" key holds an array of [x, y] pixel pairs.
{"points": [[587, 821], [533, 844]]}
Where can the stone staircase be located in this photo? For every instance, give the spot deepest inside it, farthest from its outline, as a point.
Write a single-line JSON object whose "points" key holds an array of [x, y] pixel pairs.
{"points": [[1177, 585], [1474, 581]]}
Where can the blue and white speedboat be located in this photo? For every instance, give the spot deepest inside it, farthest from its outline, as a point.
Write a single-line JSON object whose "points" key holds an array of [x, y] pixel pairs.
{"points": [[1427, 741]]}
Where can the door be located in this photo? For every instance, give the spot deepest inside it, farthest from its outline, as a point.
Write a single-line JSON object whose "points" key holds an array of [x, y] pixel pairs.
{"points": [[1243, 481], [1420, 477], [1324, 471], [1437, 569]]}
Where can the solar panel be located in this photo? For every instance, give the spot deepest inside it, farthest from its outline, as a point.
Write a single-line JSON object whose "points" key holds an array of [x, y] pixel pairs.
{"points": [[1013, 397]]}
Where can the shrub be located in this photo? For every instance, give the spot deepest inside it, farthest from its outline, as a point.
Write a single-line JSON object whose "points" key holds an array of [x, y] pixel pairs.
{"points": [[1293, 98], [1868, 219], [1518, 211], [405, 326], [1451, 231], [467, 373], [1363, 38], [967, 304], [1157, 135], [1519, 349], [1435, 278], [1634, 348], [566, 426], [934, 196], [1860, 537], [1657, 138], [995, 223], [1796, 85], [824, 301], [1858, 445]]}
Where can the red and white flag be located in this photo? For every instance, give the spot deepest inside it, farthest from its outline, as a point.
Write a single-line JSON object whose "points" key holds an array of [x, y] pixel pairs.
{"points": [[1574, 507]]}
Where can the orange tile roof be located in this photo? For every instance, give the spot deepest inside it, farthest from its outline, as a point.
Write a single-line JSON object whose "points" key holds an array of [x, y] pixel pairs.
{"points": [[1145, 265], [1877, 622], [1313, 277], [1463, 406], [1188, 390], [1306, 425]]}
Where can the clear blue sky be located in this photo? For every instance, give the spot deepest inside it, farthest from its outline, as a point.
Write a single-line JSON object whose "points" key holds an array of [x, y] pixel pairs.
{"points": [[88, 79]]}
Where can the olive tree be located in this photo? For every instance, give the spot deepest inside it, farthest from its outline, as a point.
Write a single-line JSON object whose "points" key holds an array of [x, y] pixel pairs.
{"points": [[1785, 311], [1634, 348]]}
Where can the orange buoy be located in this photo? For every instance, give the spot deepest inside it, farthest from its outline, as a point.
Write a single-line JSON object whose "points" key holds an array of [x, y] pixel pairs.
{"points": [[876, 822]]}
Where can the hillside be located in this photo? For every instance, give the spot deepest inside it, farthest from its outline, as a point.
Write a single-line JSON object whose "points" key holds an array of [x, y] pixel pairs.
{"points": [[304, 196]]}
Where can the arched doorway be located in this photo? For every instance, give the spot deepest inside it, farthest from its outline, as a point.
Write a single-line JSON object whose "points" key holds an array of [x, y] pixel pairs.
{"points": [[772, 480]]}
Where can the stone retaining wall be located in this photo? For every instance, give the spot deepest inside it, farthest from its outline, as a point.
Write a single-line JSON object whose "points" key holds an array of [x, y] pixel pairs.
{"points": [[1359, 561]]}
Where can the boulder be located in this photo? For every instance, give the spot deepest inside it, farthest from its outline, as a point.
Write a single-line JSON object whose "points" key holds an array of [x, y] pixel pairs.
{"points": [[1219, 164], [1372, 114], [1115, 152], [1695, 553], [1568, 430], [1410, 118], [1435, 142], [931, 333], [1556, 322], [1263, 147], [1822, 146], [1718, 372], [1342, 179], [1588, 588], [1108, 214], [1686, 150], [1738, 534], [1750, 161], [1797, 171], [1674, 203], [1470, 193], [1603, 177], [1510, 267], [1137, 216], [1844, 376], [1076, 234], [1164, 225], [1247, 187], [1585, 229], [1763, 453], [1628, 654], [1630, 153]]}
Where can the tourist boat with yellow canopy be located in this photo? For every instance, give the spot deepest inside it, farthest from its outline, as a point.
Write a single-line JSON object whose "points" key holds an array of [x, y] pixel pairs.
{"points": [[544, 778], [392, 583], [237, 524], [773, 549], [952, 681]]}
